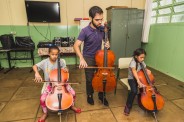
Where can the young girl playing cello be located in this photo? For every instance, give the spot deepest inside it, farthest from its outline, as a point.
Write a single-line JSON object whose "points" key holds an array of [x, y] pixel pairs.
{"points": [[133, 80], [47, 65]]}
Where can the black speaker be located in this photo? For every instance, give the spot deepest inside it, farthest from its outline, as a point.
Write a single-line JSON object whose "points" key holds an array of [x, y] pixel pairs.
{"points": [[57, 41], [71, 41], [64, 41]]}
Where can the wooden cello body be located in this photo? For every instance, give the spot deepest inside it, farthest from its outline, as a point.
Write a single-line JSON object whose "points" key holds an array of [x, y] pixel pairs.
{"points": [[104, 74], [149, 99], [59, 90], [104, 79]]}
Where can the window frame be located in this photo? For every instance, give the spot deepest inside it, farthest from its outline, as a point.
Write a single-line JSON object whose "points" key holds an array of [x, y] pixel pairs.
{"points": [[172, 12]]}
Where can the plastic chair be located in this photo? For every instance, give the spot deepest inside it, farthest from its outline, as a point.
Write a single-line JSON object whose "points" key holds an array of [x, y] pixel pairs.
{"points": [[123, 63]]}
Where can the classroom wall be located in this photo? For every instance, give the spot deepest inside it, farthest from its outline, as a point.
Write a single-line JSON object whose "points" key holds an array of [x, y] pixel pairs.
{"points": [[165, 51], [14, 19], [12, 12]]}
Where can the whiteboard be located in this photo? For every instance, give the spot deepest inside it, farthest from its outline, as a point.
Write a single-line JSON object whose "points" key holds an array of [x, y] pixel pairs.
{"points": [[84, 23]]}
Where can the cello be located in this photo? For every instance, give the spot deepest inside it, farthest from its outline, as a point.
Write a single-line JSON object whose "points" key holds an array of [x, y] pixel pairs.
{"points": [[60, 98], [104, 79], [149, 98]]}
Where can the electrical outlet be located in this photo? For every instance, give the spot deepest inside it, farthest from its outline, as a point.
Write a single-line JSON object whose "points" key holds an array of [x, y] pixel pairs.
{"points": [[13, 32]]}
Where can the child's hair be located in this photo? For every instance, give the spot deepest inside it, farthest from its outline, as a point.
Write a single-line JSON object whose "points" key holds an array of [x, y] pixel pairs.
{"points": [[93, 10], [138, 52], [53, 48]]}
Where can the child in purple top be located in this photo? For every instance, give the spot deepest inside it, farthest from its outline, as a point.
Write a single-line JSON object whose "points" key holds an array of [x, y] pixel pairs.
{"points": [[92, 37]]}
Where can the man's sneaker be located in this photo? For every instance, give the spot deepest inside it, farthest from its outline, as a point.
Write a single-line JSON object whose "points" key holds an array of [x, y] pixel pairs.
{"points": [[90, 99]]}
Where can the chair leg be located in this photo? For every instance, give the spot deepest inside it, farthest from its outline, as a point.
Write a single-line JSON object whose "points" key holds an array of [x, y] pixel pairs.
{"points": [[117, 78]]}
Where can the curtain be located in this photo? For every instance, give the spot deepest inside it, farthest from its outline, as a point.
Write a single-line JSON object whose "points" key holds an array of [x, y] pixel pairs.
{"points": [[147, 21]]}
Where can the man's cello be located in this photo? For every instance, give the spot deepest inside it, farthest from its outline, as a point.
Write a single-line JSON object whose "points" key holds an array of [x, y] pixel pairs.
{"points": [[104, 79]]}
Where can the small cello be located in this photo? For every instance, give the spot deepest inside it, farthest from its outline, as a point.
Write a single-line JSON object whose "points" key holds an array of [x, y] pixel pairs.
{"points": [[149, 99], [60, 98]]}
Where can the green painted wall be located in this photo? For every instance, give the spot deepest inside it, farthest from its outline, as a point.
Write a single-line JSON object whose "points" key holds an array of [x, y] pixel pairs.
{"points": [[165, 49], [56, 31]]}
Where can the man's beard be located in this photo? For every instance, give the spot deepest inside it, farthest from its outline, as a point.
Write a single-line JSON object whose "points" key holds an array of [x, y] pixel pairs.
{"points": [[95, 25]]}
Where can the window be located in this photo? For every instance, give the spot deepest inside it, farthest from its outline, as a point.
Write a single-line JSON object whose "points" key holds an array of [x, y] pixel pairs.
{"points": [[163, 19], [167, 11], [178, 18], [153, 20], [164, 11], [179, 8], [165, 2]]}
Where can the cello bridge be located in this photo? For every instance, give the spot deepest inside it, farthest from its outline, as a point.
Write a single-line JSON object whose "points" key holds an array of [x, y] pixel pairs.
{"points": [[105, 73]]}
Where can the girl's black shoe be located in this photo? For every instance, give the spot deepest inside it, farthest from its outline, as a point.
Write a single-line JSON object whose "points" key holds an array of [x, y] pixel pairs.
{"points": [[126, 111]]}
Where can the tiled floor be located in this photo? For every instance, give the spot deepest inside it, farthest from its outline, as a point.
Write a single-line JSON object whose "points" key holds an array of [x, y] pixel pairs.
{"points": [[19, 100]]}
